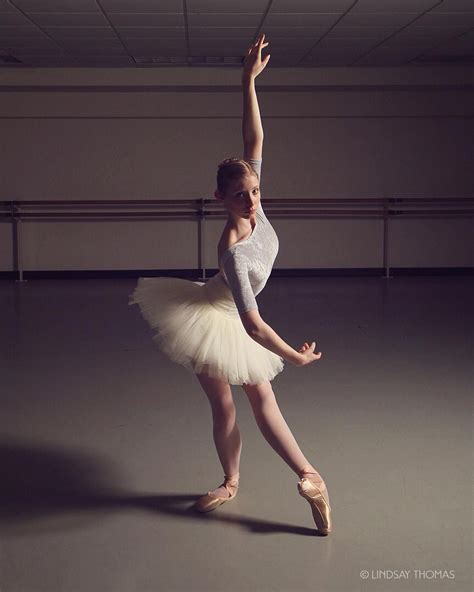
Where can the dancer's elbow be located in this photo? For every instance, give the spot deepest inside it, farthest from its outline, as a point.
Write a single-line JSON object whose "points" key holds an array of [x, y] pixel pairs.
{"points": [[252, 321]]}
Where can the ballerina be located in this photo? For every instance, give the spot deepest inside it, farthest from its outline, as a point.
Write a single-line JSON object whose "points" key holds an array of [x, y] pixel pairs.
{"points": [[215, 330]]}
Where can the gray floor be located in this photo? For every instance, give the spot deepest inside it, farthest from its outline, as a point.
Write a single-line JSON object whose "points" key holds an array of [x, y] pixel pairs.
{"points": [[105, 444]]}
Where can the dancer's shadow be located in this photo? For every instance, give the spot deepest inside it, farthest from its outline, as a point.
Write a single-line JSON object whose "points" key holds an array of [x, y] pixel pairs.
{"points": [[45, 488]]}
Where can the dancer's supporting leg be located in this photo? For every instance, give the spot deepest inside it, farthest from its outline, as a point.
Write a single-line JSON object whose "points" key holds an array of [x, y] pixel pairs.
{"points": [[226, 433], [275, 430]]}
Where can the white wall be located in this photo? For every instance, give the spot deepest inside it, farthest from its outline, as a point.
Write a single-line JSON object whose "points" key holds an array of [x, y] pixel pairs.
{"points": [[157, 133]]}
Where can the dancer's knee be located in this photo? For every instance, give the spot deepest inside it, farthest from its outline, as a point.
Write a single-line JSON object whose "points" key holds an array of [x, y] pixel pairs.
{"points": [[223, 409], [220, 398], [259, 394]]}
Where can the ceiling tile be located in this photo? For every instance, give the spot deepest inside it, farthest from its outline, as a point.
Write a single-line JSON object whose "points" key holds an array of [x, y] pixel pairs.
{"points": [[14, 32], [278, 43], [150, 20], [150, 45], [14, 19], [106, 61], [142, 5], [404, 52], [283, 62], [310, 5], [223, 32], [79, 19], [329, 61], [347, 56], [242, 6], [344, 44], [416, 6], [224, 19], [95, 51], [443, 50], [447, 19], [363, 32], [219, 45], [94, 44], [57, 5], [83, 32], [394, 46], [151, 32], [372, 33], [414, 33], [38, 44], [5, 6], [302, 19], [378, 18], [34, 50], [210, 51], [313, 32], [168, 60], [382, 61], [454, 6], [460, 43], [289, 51]]}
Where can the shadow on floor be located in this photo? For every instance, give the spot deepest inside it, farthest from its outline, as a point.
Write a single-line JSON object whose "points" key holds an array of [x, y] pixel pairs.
{"points": [[45, 489]]}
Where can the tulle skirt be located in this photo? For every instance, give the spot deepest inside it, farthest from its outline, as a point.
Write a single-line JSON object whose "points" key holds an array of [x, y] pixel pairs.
{"points": [[198, 326]]}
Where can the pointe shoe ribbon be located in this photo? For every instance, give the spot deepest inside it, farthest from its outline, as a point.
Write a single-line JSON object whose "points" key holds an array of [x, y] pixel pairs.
{"points": [[320, 508], [210, 501]]}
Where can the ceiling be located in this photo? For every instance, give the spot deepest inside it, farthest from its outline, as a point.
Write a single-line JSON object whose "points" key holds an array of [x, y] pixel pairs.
{"points": [[187, 33]]}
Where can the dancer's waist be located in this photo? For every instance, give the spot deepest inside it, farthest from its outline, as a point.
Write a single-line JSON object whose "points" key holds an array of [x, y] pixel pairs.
{"points": [[220, 295]]}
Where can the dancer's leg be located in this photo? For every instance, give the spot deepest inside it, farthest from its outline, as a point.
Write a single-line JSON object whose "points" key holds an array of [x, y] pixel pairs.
{"points": [[226, 433], [275, 430]]}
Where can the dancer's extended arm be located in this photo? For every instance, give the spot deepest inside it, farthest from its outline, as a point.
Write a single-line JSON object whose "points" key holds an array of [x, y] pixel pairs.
{"points": [[252, 129]]}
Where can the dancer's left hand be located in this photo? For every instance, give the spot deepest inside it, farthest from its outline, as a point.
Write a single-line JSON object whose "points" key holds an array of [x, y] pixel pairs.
{"points": [[252, 63], [308, 353], [304, 347]]}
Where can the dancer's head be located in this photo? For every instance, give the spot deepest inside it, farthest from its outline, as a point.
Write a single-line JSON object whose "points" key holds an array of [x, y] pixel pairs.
{"points": [[238, 187]]}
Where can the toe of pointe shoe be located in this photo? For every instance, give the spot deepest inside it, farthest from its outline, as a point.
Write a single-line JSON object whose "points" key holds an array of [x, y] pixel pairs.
{"points": [[319, 506], [208, 502]]}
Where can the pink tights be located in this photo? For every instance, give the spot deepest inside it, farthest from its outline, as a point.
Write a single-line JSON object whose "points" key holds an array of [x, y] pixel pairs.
{"points": [[272, 425]]}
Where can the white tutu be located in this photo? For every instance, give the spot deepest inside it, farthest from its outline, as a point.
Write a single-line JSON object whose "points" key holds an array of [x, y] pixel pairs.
{"points": [[198, 326]]}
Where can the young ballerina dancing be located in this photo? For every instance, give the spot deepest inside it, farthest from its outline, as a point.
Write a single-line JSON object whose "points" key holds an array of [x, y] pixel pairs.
{"points": [[214, 329]]}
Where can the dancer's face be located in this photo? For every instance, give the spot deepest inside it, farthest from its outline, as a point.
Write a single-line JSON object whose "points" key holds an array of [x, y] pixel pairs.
{"points": [[242, 196]]}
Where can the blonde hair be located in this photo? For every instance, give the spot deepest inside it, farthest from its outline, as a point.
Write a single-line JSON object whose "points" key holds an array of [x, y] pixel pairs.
{"points": [[230, 169]]}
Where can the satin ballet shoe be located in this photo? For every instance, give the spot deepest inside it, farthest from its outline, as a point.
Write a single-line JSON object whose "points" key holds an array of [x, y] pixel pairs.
{"points": [[210, 501], [321, 509]]}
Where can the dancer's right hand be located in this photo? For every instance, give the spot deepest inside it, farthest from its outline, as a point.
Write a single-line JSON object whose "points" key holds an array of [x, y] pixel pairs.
{"points": [[253, 65], [307, 353]]}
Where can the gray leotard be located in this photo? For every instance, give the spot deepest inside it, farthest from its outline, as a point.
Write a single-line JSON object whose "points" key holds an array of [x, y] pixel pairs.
{"points": [[247, 264]]}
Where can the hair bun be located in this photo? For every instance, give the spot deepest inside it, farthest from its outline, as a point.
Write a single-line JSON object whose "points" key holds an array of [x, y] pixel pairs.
{"points": [[228, 161]]}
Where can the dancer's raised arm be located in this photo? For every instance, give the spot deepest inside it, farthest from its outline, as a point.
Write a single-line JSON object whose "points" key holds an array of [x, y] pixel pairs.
{"points": [[252, 129]]}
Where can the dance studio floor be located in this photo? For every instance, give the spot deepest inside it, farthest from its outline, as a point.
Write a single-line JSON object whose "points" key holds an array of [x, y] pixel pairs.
{"points": [[105, 444]]}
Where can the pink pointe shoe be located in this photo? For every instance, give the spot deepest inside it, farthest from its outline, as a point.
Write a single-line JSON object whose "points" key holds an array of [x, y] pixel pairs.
{"points": [[210, 501], [312, 490]]}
